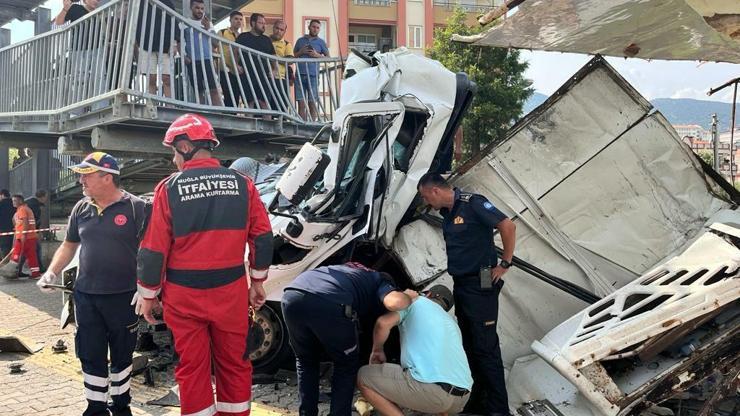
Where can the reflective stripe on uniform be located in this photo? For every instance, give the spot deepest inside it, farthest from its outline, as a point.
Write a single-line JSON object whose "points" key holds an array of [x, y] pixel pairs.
{"points": [[258, 274], [96, 396], [208, 411], [94, 380], [233, 407], [118, 390], [121, 374], [146, 293]]}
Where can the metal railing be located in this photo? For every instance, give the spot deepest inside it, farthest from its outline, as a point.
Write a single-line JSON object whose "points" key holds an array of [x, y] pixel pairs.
{"points": [[471, 6], [142, 49], [21, 178], [61, 176]]}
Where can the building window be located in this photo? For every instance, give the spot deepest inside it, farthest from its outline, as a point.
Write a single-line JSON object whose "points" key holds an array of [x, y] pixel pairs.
{"points": [[322, 32], [416, 37], [362, 38]]}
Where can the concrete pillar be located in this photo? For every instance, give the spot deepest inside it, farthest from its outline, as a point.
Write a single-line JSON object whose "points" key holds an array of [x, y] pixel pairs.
{"points": [[4, 150]]}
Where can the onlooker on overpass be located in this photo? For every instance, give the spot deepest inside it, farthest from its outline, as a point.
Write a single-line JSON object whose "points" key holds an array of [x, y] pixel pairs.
{"points": [[283, 49], [154, 39], [198, 55], [231, 68], [258, 69], [307, 89]]}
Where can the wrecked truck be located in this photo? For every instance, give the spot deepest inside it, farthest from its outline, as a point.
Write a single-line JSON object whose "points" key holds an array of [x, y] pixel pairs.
{"points": [[625, 294], [625, 286]]}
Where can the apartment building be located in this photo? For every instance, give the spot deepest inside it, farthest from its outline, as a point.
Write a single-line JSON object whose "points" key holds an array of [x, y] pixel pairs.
{"points": [[368, 25], [691, 130]]}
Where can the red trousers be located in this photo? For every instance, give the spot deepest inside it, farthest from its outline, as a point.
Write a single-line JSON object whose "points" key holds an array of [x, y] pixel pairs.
{"points": [[211, 323], [27, 250]]}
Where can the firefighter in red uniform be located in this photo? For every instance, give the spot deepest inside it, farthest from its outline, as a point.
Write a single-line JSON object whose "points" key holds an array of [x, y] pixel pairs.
{"points": [[204, 219]]}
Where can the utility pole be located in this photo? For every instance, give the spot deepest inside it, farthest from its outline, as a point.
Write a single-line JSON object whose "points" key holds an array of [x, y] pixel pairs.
{"points": [[733, 82], [715, 142]]}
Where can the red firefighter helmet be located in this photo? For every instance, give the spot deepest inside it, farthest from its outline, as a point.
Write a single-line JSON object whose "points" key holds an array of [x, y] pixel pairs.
{"points": [[193, 127]]}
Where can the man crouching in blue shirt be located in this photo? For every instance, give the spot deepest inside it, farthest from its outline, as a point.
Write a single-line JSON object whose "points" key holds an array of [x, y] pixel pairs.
{"points": [[434, 376]]}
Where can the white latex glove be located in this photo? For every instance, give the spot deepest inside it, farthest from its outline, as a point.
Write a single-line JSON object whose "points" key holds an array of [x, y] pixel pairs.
{"points": [[136, 303], [49, 278]]}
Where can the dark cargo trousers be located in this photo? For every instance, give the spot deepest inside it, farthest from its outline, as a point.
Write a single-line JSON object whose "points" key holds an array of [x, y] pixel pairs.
{"points": [[316, 327], [106, 322], [477, 315]]}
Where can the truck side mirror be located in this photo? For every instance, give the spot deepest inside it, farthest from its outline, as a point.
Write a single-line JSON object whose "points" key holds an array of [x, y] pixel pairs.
{"points": [[303, 173]]}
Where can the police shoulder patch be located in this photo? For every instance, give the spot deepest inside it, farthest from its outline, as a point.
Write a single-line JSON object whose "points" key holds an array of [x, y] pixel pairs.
{"points": [[465, 196]]}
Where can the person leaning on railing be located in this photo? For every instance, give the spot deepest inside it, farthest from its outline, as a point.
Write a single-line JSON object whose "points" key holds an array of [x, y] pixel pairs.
{"points": [[283, 49], [259, 68]]}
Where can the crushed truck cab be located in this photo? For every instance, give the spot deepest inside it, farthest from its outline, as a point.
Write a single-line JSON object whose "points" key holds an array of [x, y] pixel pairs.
{"points": [[607, 200]]}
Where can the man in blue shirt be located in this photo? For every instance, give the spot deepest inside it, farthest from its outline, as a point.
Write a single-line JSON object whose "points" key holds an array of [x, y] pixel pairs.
{"points": [[434, 376], [198, 55], [324, 309], [469, 221], [307, 87]]}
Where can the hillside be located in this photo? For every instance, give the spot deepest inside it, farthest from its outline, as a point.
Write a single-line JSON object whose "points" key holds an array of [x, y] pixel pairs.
{"points": [[676, 110]]}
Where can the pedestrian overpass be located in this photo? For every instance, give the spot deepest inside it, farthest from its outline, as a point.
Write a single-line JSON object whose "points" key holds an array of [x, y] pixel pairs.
{"points": [[79, 88]]}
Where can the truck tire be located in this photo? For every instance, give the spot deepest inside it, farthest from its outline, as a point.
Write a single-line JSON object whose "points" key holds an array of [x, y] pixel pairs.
{"points": [[271, 335]]}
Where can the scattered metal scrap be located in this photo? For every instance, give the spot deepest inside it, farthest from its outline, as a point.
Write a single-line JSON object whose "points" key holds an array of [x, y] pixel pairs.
{"points": [[59, 347], [16, 368]]}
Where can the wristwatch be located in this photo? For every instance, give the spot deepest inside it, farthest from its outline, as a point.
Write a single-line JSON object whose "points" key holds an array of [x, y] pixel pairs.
{"points": [[505, 264]]}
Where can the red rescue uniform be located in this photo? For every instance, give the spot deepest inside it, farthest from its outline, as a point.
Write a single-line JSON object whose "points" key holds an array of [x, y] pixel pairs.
{"points": [[203, 221]]}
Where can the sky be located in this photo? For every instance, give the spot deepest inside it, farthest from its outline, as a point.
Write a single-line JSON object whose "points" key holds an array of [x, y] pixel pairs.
{"points": [[549, 70]]}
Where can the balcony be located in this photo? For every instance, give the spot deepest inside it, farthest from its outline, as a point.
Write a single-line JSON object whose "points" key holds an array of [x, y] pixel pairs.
{"points": [[469, 6]]}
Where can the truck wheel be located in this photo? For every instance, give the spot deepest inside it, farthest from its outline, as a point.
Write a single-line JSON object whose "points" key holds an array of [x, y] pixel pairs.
{"points": [[271, 336]]}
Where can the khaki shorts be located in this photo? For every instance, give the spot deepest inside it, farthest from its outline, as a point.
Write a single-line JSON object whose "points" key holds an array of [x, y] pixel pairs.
{"points": [[397, 385], [153, 63]]}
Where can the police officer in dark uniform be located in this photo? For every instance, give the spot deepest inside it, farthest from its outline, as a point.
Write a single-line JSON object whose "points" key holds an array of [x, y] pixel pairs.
{"points": [[323, 309], [469, 220]]}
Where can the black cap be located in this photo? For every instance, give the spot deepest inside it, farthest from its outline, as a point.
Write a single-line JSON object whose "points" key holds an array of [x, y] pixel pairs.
{"points": [[442, 295]]}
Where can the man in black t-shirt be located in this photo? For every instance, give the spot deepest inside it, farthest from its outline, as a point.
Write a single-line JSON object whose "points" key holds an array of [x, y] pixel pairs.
{"points": [[260, 68], [105, 226]]}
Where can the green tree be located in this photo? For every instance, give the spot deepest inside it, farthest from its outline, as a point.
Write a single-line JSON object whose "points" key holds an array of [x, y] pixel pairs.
{"points": [[707, 156], [12, 154], [499, 74]]}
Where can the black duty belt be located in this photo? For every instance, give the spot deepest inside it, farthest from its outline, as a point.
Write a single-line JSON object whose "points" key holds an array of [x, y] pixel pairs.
{"points": [[205, 279], [453, 390]]}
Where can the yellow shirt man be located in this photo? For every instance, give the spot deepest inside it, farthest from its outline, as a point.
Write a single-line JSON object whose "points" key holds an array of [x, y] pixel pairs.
{"points": [[284, 49], [228, 34]]}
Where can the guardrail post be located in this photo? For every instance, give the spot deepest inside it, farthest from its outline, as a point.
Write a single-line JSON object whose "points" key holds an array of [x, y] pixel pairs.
{"points": [[4, 150]]}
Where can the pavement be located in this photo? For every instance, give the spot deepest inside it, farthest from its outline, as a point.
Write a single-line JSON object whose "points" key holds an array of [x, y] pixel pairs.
{"points": [[51, 383]]}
